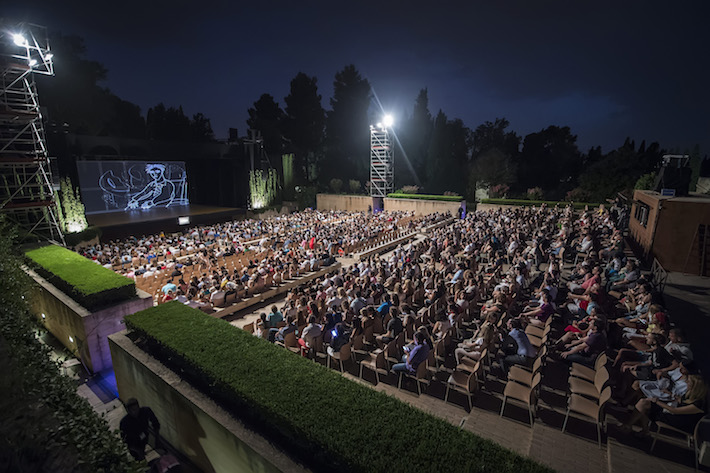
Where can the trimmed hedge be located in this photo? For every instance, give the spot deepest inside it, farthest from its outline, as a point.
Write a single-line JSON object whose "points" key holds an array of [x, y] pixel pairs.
{"points": [[323, 419], [527, 203], [445, 198], [90, 284], [73, 239]]}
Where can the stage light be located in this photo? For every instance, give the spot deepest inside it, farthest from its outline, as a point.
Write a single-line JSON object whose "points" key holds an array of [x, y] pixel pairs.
{"points": [[379, 125], [19, 39], [48, 57], [388, 120], [184, 220], [75, 227], [33, 62]]}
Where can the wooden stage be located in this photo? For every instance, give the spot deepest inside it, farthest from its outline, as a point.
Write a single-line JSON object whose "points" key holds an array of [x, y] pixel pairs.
{"points": [[125, 223]]}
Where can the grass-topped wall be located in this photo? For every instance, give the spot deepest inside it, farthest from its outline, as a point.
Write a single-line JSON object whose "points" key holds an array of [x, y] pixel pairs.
{"points": [[88, 283], [530, 203], [321, 418], [445, 198]]}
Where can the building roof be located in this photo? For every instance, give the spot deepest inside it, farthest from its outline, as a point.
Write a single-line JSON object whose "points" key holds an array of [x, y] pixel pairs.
{"points": [[693, 197]]}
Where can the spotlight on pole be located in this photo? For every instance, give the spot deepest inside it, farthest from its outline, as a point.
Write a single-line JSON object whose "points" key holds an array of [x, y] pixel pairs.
{"points": [[388, 121]]}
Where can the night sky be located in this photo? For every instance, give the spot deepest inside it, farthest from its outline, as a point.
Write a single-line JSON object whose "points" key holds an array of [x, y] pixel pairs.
{"points": [[606, 69]]}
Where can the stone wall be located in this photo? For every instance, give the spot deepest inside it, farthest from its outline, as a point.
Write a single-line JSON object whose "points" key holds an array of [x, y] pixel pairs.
{"points": [[360, 203], [351, 203], [191, 422], [423, 207], [84, 333]]}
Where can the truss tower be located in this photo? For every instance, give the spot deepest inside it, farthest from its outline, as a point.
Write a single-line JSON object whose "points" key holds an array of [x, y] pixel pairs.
{"points": [[381, 162], [27, 195]]}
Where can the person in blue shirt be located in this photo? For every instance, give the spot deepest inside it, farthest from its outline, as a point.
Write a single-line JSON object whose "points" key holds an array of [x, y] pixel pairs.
{"points": [[418, 354], [384, 308], [524, 353]]}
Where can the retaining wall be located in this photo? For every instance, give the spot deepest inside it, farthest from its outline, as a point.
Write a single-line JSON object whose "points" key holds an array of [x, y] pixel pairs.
{"points": [[191, 422], [83, 332]]}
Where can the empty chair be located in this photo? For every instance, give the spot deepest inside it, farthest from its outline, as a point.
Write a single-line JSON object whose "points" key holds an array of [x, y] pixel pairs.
{"points": [[525, 394], [523, 375], [692, 439], [589, 408], [358, 345], [464, 382], [591, 390], [377, 363], [578, 370]]}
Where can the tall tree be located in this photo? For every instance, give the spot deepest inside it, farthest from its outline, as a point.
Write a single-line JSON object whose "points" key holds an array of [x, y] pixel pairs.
{"points": [[416, 134], [304, 124], [77, 101], [267, 117], [493, 135], [201, 129], [347, 127], [550, 160], [170, 124]]}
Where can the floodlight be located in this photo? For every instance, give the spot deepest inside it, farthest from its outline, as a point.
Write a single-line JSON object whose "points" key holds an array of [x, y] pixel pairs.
{"points": [[388, 121], [379, 125], [19, 39], [33, 62], [48, 56]]}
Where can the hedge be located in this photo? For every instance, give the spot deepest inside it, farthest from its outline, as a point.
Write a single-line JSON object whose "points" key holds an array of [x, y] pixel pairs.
{"points": [[44, 424], [73, 239], [445, 198], [90, 284], [320, 417], [550, 203]]}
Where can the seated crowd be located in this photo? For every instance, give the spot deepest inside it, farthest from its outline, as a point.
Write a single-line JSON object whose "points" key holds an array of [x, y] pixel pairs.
{"points": [[568, 293], [205, 265]]}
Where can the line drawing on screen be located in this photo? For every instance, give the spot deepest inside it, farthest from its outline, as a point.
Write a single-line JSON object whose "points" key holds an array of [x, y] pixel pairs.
{"points": [[154, 185]]}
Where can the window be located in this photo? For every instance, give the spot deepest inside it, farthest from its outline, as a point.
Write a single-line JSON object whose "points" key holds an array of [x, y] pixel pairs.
{"points": [[641, 213]]}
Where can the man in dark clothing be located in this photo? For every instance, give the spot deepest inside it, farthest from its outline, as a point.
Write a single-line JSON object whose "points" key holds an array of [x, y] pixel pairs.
{"points": [[134, 427]]}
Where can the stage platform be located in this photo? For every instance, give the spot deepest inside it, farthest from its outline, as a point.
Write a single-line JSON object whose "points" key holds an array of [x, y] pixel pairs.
{"points": [[145, 222]]}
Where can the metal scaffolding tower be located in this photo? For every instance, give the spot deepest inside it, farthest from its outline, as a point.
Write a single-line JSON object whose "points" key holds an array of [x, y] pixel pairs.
{"points": [[27, 195], [381, 162]]}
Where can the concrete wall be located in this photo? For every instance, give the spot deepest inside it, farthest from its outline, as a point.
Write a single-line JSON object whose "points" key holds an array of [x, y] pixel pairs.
{"points": [[205, 433], [65, 318], [351, 203], [355, 203], [423, 207]]}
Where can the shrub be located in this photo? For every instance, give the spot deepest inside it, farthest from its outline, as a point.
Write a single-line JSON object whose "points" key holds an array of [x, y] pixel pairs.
{"points": [[410, 190], [499, 191], [321, 417], [73, 239], [535, 193], [577, 195], [354, 185], [44, 424], [336, 184], [89, 284], [646, 182], [445, 198]]}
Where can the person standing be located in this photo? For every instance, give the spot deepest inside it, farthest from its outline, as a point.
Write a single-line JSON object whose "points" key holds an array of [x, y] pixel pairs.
{"points": [[135, 427]]}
